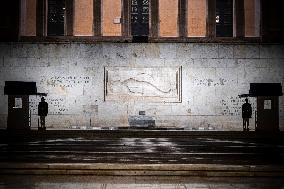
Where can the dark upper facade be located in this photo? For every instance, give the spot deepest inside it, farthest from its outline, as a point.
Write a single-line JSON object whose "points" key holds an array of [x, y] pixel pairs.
{"points": [[142, 20]]}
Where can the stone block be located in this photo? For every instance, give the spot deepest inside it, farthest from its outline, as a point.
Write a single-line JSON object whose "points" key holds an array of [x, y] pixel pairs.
{"points": [[276, 75], [260, 75], [254, 63], [19, 50], [26, 62], [13, 74], [218, 63], [5, 50], [210, 63], [59, 51], [113, 110], [149, 50], [30, 50], [226, 51], [43, 75], [37, 62], [231, 63], [41, 51], [242, 77], [230, 92], [60, 62], [141, 121], [200, 63], [203, 77], [183, 50], [179, 109], [227, 77], [185, 63], [272, 51], [153, 109], [168, 50], [204, 51], [246, 51], [204, 102], [89, 51], [15, 62], [276, 63], [118, 51], [150, 62]]}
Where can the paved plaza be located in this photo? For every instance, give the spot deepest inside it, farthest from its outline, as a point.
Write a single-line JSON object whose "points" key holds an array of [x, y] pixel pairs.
{"points": [[91, 182], [178, 147], [141, 159]]}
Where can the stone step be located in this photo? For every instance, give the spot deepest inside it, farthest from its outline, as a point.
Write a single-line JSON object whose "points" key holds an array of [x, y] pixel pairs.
{"points": [[200, 170]]}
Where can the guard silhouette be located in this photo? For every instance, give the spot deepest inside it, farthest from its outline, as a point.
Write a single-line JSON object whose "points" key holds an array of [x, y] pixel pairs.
{"points": [[246, 114], [42, 112]]}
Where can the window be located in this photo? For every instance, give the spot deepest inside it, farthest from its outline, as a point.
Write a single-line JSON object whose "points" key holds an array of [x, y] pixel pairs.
{"points": [[224, 18], [83, 18], [28, 18], [111, 17], [252, 18], [196, 16], [139, 17], [9, 20], [56, 18], [168, 17]]}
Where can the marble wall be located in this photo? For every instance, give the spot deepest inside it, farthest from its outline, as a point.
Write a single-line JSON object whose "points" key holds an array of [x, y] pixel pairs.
{"points": [[180, 85]]}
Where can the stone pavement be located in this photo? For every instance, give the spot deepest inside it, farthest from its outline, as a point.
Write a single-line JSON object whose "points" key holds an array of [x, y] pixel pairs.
{"points": [[136, 182], [143, 153]]}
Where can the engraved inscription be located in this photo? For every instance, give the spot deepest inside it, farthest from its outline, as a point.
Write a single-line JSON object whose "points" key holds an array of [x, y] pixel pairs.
{"points": [[211, 82], [65, 81], [56, 105], [232, 106]]}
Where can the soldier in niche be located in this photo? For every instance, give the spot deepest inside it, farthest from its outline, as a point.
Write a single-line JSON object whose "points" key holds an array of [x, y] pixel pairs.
{"points": [[246, 114], [42, 112]]}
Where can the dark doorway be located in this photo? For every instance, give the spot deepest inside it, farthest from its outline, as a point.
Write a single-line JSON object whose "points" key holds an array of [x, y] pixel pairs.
{"points": [[140, 20], [56, 17], [224, 18]]}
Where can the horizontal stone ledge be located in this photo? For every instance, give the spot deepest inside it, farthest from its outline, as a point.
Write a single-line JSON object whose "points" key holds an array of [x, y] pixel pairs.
{"points": [[141, 173], [138, 167]]}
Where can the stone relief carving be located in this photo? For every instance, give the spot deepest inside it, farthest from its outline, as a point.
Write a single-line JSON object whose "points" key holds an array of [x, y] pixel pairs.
{"points": [[155, 84]]}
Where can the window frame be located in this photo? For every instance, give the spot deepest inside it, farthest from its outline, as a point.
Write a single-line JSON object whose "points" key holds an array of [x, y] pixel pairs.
{"points": [[41, 26], [64, 20]]}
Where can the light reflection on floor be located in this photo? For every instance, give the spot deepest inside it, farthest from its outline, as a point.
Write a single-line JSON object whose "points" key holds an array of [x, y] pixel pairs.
{"points": [[185, 150], [95, 182]]}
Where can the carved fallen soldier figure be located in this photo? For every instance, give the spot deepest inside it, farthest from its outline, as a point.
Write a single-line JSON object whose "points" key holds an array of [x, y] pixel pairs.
{"points": [[42, 112], [246, 114]]}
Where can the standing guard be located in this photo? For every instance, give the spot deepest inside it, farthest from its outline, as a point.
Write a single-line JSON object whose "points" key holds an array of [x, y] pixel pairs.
{"points": [[42, 112], [246, 114]]}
